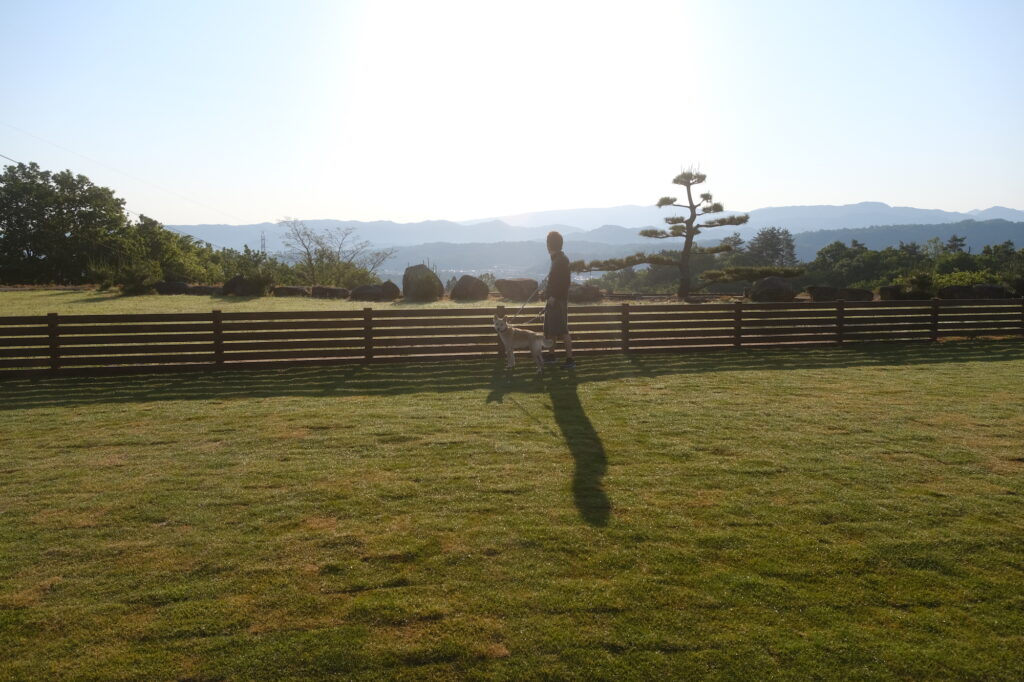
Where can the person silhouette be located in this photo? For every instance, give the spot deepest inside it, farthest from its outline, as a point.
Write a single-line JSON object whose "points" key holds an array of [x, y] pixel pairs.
{"points": [[556, 311]]}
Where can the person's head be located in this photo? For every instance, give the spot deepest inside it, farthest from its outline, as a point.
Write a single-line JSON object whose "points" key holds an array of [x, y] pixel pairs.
{"points": [[554, 242]]}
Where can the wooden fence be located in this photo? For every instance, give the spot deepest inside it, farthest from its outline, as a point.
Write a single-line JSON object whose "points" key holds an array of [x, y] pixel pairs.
{"points": [[106, 344]]}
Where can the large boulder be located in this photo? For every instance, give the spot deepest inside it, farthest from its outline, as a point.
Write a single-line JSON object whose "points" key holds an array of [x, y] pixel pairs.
{"points": [[469, 288], [584, 293], [891, 292], [420, 283], [171, 288], [328, 292], [990, 291], [772, 290], [389, 291], [290, 291], [204, 290], [518, 289], [243, 286], [367, 292], [956, 292], [855, 295], [822, 293]]}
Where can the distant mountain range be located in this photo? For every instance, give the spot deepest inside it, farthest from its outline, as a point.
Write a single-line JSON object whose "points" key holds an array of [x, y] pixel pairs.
{"points": [[502, 259], [381, 233], [616, 225], [793, 218], [512, 244]]}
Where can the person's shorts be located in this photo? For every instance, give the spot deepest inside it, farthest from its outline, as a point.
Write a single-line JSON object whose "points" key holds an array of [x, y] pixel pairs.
{"points": [[556, 319]]}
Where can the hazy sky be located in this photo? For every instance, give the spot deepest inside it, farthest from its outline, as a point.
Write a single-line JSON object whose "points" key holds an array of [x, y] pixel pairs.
{"points": [[251, 111]]}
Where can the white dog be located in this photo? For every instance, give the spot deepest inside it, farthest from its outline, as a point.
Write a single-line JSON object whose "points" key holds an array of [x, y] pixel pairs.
{"points": [[515, 337]]}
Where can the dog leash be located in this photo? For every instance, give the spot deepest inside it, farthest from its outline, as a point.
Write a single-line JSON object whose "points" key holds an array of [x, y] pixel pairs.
{"points": [[535, 292]]}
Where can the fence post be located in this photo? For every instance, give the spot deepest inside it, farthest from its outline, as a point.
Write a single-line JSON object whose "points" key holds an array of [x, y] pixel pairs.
{"points": [[840, 320], [935, 319], [218, 338], [500, 312], [53, 328], [625, 327], [737, 323], [368, 334]]}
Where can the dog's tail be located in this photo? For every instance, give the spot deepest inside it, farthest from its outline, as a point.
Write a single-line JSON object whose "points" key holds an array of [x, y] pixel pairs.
{"points": [[547, 343]]}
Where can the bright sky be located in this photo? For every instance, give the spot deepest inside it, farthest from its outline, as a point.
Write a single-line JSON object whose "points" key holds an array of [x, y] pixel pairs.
{"points": [[248, 111]]}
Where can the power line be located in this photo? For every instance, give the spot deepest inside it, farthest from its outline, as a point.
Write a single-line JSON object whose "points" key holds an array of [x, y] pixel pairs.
{"points": [[137, 215], [127, 175]]}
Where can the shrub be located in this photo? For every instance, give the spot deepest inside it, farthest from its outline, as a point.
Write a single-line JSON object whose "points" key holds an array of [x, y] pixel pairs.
{"points": [[964, 279], [139, 277]]}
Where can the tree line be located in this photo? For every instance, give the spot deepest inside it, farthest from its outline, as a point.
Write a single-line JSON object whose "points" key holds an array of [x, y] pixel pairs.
{"points": [[918, 267], [727, 266], [61, 228]]}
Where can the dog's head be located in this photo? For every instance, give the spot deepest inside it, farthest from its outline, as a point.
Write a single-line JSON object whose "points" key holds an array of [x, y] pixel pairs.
{"points": [[500, 324]]}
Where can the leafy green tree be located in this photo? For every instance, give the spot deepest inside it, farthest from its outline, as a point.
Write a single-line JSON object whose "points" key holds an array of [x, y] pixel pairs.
{"points": [[965, 278], [955, 244], [61, 228], [54, 227], [257, 267], [772, 246], [955, 261], [684, 226], [840, 265], [934, 248], [999, 257], [921, 268], [734, 251]]}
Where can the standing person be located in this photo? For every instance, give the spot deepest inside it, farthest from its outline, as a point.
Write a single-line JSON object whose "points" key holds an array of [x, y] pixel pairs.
{"points": [[556, 313]]}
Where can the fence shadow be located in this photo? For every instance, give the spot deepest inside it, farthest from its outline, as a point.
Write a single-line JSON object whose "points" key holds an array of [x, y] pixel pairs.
{"points": [[483, 375]]}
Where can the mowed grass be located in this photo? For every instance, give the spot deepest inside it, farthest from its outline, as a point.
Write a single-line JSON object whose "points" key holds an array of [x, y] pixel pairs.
{"points": [[41, 302], [853, 513]]}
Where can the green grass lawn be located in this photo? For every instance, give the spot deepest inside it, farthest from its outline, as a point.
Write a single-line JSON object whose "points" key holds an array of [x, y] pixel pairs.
{"points": [[41, 302], [842, 513]]}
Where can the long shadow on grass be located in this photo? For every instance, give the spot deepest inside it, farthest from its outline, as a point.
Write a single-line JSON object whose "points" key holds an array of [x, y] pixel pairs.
{"points": [[587, 451], [441, 377], [580, 436]]}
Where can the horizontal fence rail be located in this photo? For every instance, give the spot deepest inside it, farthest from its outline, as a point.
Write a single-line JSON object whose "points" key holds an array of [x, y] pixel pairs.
{"points": [[106, 344]]}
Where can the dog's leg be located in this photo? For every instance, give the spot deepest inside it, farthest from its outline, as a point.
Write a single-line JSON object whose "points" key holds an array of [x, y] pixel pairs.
{"points": [[510, 358], [535, 347]]}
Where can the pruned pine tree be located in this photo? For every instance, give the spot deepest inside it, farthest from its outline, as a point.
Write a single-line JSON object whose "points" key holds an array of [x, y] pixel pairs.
{"points": [[682, 226], [749, 273]]}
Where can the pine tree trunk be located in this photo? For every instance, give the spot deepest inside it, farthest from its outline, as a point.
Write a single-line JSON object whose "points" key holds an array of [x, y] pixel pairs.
{"points": [[684, 278], [684, 267]]}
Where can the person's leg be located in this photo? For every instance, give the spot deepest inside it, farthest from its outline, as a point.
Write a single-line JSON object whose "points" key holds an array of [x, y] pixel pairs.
{"points": [[549, 334], [570, 361]]}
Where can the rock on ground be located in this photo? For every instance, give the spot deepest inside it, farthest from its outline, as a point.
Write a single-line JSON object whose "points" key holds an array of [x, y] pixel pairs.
{"points": [[420, 283], [772, 290], [469, 288], [518, 289]]}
